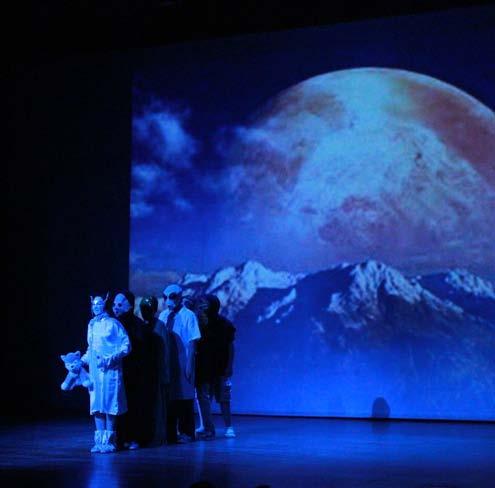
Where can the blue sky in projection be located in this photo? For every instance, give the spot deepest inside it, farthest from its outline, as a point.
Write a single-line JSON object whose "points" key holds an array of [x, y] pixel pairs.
{"points": [[335, 185], [217, 144]]}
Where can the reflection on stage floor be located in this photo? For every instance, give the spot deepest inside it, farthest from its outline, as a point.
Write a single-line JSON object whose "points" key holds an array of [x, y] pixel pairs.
{"points": [[278, 452]]}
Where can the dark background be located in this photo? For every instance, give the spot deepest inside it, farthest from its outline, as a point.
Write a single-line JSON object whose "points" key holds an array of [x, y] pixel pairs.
{"points": [[68, 139]]}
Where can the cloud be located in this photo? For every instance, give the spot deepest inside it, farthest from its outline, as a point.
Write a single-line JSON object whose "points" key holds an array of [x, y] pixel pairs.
{"points": [[152, 185], [160, 133], [231, 175], [163, 151], [139, 208], [146, 174], [182, 204], [148, 178], [257, 157]]}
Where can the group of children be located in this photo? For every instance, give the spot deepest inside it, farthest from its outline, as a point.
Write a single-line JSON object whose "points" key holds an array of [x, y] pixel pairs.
{"points": [[147, 372]]}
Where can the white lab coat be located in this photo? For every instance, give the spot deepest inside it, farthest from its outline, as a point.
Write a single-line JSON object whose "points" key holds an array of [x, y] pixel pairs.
{"points": [[108, 343]]}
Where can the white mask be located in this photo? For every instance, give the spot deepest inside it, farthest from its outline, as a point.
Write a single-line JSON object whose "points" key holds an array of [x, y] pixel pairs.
{"points": [[98, 305], [173, 297], [120, 305]]}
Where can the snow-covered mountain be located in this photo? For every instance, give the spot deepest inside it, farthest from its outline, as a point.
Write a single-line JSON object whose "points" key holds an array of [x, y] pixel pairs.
{"points": [[473, 294], [345, 335], [190, 278], [353, 295], [235, 286], [462, 280], [375, 289], [357, 331], [370, 296]]}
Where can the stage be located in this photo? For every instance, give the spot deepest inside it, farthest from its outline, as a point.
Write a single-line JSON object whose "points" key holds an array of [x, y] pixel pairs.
{"points": [[279, 452]]}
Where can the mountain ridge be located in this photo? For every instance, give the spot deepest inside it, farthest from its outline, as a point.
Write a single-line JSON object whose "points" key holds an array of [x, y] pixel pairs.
{"points": [[237, 285]]}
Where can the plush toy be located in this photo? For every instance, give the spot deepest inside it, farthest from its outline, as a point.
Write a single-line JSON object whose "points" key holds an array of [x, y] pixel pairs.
{"points": [[77, 375]]}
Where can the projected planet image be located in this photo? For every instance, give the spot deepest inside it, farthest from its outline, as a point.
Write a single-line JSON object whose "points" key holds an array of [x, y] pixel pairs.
{"points": [[369, 162], [347, 226]]}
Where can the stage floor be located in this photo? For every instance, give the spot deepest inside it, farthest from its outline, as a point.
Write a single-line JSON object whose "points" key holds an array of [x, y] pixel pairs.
{"points": [[279, 452]]}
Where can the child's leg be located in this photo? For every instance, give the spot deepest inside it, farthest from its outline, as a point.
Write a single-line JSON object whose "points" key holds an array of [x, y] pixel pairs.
{"points": [[186, 418], [172, 419], [223, 395], [201, 426], [109, 434], [110, 421], [99, 421], [204, 402], [223, 398], [226, 414]]}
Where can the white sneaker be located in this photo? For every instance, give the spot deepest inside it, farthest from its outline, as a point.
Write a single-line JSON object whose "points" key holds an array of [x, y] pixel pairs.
{"points": [[108, 443], [98, 440], [229, 432]]}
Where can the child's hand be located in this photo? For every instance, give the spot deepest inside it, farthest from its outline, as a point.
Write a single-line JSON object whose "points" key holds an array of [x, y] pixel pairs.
{"points": [[102, 362]]}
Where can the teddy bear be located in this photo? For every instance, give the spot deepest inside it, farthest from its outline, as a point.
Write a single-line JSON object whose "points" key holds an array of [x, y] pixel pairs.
{"points": [[77, 375]]}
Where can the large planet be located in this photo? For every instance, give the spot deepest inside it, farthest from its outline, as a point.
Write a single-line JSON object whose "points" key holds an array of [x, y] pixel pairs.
{"points": [[367, 163]]}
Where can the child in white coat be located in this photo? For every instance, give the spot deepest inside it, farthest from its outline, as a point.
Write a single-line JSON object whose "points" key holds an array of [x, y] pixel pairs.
{"points": [[108, 343]]}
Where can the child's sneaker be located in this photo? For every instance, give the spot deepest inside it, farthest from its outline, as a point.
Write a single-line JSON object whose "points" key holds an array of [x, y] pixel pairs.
{"points": [[108, 443], [98, 440], [229, 432]]}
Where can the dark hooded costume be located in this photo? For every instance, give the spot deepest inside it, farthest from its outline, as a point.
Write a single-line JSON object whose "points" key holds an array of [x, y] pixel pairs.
{"points": [[164, 430], [139, 378]]}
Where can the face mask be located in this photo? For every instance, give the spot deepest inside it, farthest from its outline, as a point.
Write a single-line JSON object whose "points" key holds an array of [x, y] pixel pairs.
{"points": [[148, 307], [97, 305], [120, 305], [173, 297], [172, 301]]}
